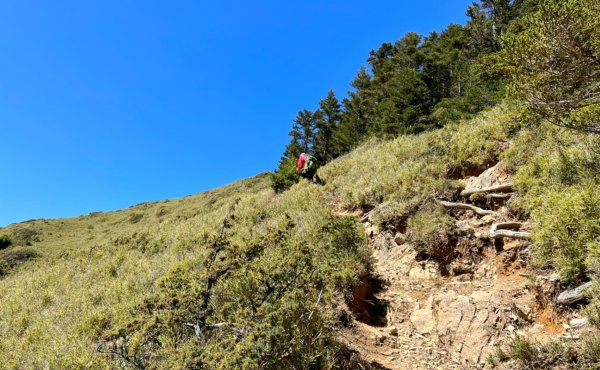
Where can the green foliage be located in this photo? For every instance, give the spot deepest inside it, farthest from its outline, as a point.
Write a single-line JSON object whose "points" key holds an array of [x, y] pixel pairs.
{"points": [[325, 147], [416, 83], [391, 215], [412, 169], [558, 182], [522, 350], [5, 241], [569, 222], [581, 354], [255, 291], [554, 63], [285, 176], [430, 231]]}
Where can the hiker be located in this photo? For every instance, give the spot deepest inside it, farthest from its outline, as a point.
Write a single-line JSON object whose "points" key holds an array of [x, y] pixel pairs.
{"points": [[307, 166]]}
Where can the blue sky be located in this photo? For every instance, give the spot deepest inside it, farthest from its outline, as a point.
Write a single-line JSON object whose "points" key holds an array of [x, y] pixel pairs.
{"points": [[105, 104]]}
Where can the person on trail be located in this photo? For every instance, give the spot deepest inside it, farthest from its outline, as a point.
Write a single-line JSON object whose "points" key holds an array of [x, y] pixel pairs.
{"points": [[307, 166]]}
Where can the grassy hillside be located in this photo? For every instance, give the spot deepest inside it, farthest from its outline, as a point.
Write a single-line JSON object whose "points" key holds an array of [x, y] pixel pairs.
{"points": [[98, 275], [241, 277]]}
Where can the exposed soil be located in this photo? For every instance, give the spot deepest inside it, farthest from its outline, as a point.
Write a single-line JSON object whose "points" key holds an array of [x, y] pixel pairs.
{"points": [[424, 314]]}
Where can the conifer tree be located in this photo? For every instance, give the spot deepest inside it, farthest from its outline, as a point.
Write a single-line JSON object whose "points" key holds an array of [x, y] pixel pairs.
{"points": [[358, 108], [329, 117], [304, 129], [554, 63]]}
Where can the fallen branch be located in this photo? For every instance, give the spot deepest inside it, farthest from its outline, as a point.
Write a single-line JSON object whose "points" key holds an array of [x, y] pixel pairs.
{"points": [[479, 211], [490, 189]]}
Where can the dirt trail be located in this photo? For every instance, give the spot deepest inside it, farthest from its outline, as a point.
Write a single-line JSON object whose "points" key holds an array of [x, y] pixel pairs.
{"points": [[414, 314]]}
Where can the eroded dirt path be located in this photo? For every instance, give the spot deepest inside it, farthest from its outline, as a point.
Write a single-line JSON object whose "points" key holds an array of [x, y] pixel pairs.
{"points": [[413, 314]]}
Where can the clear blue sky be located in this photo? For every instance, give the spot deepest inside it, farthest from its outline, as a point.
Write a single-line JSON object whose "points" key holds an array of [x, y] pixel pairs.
{"points": [[105, 104]]}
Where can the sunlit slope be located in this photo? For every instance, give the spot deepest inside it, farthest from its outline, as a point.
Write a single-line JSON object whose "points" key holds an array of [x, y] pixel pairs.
{"points": [[97, 276], [107, 277], [91, 270], [241, 277]]}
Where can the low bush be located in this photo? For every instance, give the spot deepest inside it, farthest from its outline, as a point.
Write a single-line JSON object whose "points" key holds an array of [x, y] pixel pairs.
{"points": [[14, 257], [558, 185], [568, 225], [285, 177], [557, 354], [5, 241]]}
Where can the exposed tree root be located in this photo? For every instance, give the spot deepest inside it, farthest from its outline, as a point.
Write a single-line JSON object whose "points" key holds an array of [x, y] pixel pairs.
{"points": [[502, 230], [500, 196], [477, 210], [510, 234]]}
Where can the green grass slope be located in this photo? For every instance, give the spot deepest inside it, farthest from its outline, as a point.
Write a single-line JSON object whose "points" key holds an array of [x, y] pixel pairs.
{"points": [[241, 277]]}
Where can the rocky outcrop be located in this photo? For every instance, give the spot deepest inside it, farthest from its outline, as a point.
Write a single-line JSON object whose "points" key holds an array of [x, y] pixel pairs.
{"points": [[492, 177], [573, 295]]}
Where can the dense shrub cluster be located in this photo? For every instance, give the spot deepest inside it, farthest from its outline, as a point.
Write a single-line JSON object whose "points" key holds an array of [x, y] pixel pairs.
{"points": [[5, 241], [285, 176], [558, 182]]}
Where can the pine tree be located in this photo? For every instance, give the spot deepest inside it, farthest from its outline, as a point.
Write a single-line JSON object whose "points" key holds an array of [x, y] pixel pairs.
{"points": [[329, 118], [304, 129], [358, 108], [554, 63], [302, 139]]}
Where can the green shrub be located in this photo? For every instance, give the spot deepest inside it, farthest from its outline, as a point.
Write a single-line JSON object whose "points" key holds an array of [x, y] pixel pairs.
{"points": [[5, 241], [391, 215], [558, 181], [285, 177], [4, 267], [557, 354], [553, 63], [567, 223], [522, 350]]}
